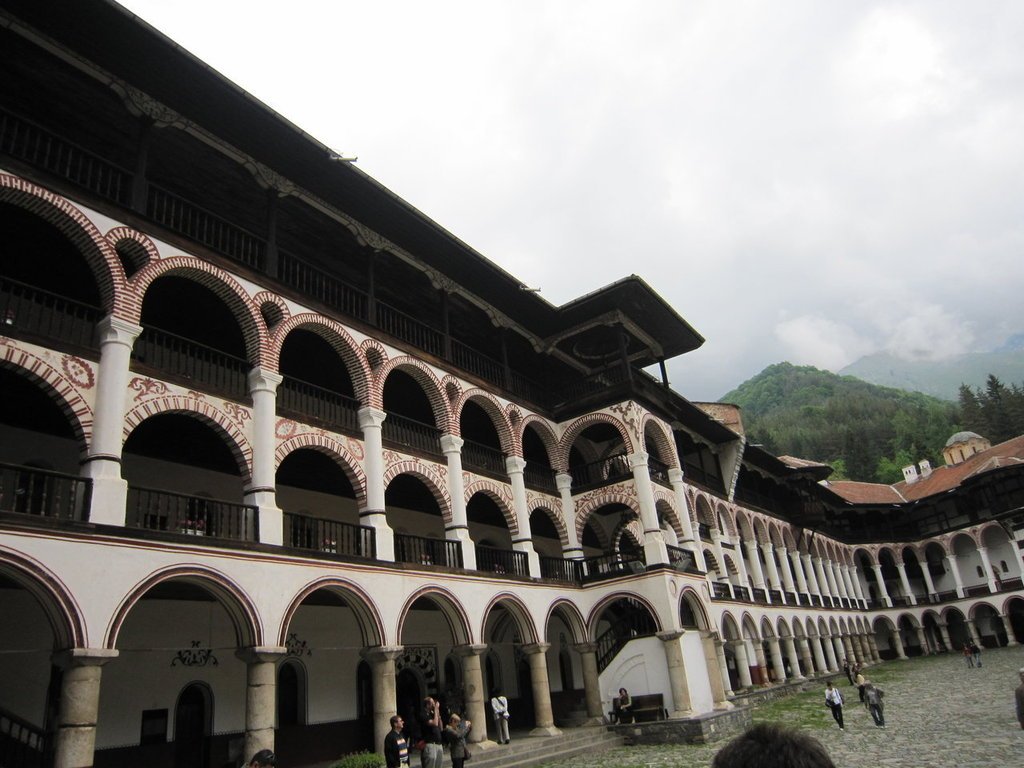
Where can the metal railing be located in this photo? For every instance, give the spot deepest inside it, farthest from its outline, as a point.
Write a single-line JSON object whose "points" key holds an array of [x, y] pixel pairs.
{"points": [[32, 491], [25, 309], [329, 536], [483, 458], [29, 142], [601, 472], [635, 624], [682, 560], [561, 569], [720, 591], [609, 566], [157, 510], [658, 471], [409, 433], [424, 551], [502, 561], [308, 402], [22, 745], [205, 227], [194, 362], [540, 478]]}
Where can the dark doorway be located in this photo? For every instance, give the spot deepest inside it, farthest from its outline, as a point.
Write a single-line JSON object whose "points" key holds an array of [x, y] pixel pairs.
{"points": [[410, 697], [191, 728]]}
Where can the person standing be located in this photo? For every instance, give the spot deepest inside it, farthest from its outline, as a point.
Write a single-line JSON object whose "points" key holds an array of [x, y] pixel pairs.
{"points": [[873, 698], [1019, 695], [499, 706], [396, 747], [968, 656], [976, 653], [848, 670], [265, 758], [834, 701], [860, 681], [430, 731], [455, 733]]}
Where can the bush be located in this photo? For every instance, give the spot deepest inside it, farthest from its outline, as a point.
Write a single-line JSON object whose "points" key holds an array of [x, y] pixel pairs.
{"points": [[360, 760]]}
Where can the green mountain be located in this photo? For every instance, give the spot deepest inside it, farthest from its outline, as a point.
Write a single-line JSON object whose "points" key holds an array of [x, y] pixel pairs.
{"points": [[865, 431], [940, 378]]}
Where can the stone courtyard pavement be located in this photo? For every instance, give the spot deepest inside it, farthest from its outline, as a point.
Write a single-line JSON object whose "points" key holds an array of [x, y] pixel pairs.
{"points": [[939, 713]]}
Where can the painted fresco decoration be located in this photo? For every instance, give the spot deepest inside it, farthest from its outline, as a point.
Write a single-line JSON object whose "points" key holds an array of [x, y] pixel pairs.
{"points": [[195, 656]]}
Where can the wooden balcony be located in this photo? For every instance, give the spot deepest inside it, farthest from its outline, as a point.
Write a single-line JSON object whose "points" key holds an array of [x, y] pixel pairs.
{"points": [[502, 561], [37, 315], [423, 551], [158, 510], [329, 537], [40, 492]]}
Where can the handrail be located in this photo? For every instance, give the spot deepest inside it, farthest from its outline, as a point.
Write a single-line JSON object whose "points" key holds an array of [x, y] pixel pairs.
{"points": [[159, 510], [329, 536], [609, 566], [427, 551], [604, 471], [22, 744], [176, 355], [561, 569], [409, 433], [44, 493], [502, 561], [483, 457], [539, 477], [39, 312], [320, 405], [635, 624]]}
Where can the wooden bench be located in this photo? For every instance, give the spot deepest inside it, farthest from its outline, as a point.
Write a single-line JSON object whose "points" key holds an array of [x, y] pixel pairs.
{"points": [[644, 708]]}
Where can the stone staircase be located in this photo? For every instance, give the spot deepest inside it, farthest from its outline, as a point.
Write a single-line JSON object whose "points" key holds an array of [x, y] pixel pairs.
{"points": [[526, 751]]}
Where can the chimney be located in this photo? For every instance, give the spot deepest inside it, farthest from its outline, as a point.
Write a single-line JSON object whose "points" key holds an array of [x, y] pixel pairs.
{"points": [[910, 474], [925, 466]]}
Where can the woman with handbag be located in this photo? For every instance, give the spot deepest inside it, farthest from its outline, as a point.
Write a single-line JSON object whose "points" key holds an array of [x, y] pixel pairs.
{"points": [[456, 732]]}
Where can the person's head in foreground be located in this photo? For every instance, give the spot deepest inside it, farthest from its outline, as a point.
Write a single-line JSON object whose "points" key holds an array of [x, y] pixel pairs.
{"points": [[265, 758], [772, 746]]}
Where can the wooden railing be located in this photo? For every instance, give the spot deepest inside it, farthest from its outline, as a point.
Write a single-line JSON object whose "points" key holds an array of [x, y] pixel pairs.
{"points": [[502, 561], [158, 510], [193, 362], [609, 566], [633, 625], [540, 478], [32, 491], [682, 560], [409, 433], [329, 536], [605, 471], [482, 457], [31, 311], [424, 551], [22, 745], [308, 402], [409, 329], [561, 569], [322, 286]]}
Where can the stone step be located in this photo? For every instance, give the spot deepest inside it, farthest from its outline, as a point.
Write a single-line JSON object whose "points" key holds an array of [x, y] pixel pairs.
{"points": [[525, 750]]}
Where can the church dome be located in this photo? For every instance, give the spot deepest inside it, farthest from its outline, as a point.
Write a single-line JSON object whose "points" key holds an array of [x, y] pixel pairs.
{"points": [[963, 437]]}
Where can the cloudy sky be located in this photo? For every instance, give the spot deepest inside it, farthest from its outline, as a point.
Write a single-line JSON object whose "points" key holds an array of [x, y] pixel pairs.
{"points": [[804, 181]]}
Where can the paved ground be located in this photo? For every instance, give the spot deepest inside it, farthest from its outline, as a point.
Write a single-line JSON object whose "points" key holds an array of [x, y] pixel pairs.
{"points": [[939, 714]]}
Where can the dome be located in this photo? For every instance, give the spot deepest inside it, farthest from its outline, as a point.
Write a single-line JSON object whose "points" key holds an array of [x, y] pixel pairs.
{"points": [[963, 437]]}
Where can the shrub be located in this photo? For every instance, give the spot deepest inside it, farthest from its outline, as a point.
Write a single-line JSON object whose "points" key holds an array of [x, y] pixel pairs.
{"points": [[360, 760]]}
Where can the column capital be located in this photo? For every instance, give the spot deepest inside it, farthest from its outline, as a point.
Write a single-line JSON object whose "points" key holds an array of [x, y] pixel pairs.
{"points": [[371, 417], [670, 635], [261, 654], [451, 444], [563, 481], [113, 329], [262, 380], [382, 653], [84, 657], [675, 475], [587, 647], [515, 465], [463, 651], [638, 459], [534, 648]]}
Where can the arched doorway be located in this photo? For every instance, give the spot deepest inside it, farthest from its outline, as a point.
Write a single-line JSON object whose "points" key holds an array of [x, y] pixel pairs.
{"points": [[192, 716]]}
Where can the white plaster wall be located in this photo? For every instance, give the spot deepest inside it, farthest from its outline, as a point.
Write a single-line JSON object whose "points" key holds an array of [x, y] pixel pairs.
{"points": [[640, 668]]}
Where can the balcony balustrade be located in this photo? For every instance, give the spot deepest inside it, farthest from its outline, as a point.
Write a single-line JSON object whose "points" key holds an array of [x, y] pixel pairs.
{"points": [[323, 287], [720, 591], [402, 326], [329, 537], [682, 560], [158, 510], [30, 312], [704, 531], [483, 458], [609, 566], [606, 471], [22, 745], [561, 569], [658, 471], [423, 551], [308, 402], [189, 361], [31, 491], [540, 478], [405, 433], [502, 561]]}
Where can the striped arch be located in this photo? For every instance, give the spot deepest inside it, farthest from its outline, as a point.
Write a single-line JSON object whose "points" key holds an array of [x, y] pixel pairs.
{"points": [[79, 229], [575, 428], [692, 598], [60, 386], [51, 593], [596, 501], [493, 409], [223, 285], [727, 515], [436, 484], [595, 613], [241, 608], [428, 381], [556, 519], [571, 615], [500, 495], [547, 436], [264, 301], [331, 448], [452, 610], [663, 502], [661, 436], [631, 528], [223, 424], [743, 525], [335, 334], [371, 626], [517, 610]]}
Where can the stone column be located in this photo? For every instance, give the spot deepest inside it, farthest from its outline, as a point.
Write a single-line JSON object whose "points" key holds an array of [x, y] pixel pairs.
{"points": [[794, 659], [458, 528], [762, 661], [839, 650], [860, 650], [385, 693], [987, 566], [260, 695], [897, 640], [812, 578], [849, 651], [773, 571], [739, 650], [922, 638], [591, 682], [1011, 641], [805, 655], [883, 593], [655, 550], [928, 582], [536, 656], [901, 568], [374, 514], [837, 577], [819, 657], [714, 664], [755, 566], [573, 550], [798, 571], [951, 561], [787, 571], [473, 682], [944, 631], [827, 597], [677, 681], [716, 542], [851, 592], [858, 586], [78, 710], [973, 630], [778, 667], [261, 492], [103, 461], [522, 541], [873, 647], [675, 477], [723, 666]]}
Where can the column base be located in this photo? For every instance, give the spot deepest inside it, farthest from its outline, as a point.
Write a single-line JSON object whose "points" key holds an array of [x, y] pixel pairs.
{"points": [[109, 502], [546, 730], [723, 706]]}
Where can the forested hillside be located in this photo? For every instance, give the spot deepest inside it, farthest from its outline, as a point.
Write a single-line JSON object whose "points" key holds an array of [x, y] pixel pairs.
{"points": [[995, 411], [864, 431]]}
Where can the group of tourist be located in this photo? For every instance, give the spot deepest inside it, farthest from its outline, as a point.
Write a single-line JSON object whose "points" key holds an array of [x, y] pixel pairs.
{"points": [[972, 654], [870, 696]]}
